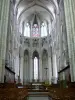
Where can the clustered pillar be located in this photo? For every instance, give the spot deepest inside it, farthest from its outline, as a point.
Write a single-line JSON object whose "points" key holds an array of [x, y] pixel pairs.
{"points": [[69, 6], [50, 69], [4, 13], [40, 68]]}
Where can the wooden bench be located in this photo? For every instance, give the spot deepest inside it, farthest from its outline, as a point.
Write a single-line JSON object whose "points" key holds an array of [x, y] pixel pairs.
{"points": [[62, 93], [7, 85], [55, 94], [71, 85], [68, 93], [13, 94], [9, 91]]}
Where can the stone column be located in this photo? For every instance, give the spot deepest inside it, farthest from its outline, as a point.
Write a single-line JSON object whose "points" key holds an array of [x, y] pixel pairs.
{"points": [[55, 75], [4, 15], [49, 69], [25, 70], [69, 6], [40, 56], [58, 30], [40, 69], [23, 26], [1, 1], [21, 68], [31, 69], [31, 49]]}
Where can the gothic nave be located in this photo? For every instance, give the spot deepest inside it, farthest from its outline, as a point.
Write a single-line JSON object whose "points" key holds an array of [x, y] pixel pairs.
{"points": [[37, 49]]}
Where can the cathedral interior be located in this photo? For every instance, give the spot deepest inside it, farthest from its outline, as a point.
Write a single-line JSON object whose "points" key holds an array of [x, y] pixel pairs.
{"points": [[37, 54]]}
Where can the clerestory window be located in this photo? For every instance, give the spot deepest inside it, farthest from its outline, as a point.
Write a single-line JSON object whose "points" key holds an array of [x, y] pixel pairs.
{"points": [[27, 30], [43, 30]]}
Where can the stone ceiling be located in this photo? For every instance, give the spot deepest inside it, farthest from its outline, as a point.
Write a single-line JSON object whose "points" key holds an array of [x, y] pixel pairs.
{"points": [[45, 9]]}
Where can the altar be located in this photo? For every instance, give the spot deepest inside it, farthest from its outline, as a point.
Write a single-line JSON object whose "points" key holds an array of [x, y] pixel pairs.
{"points": [[37, 85]]}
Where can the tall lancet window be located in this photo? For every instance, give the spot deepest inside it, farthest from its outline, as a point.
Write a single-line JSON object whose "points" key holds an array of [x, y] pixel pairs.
{"points": [[35, 28], [43, 29], [35, 68], [27, 30]]}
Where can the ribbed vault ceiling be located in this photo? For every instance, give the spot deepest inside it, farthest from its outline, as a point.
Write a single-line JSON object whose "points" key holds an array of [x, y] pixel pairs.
{"points": [[45, 9]]}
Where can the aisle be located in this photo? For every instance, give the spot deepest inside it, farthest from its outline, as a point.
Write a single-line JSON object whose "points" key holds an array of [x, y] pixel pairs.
{"points": [[38, 98]]}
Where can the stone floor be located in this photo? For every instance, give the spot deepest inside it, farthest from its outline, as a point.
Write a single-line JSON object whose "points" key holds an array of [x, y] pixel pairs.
{"points": [[38, 98]]}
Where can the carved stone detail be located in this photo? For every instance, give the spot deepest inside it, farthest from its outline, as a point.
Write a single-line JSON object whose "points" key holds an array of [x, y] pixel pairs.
{"points": [[35, 43], [27, 42]]}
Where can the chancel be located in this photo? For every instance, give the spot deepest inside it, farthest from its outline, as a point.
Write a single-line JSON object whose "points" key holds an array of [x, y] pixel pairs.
{"points": [[37, 49]]}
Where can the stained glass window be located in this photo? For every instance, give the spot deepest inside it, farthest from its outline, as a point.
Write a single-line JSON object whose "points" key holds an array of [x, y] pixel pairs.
{"points": [[35, 31]]}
